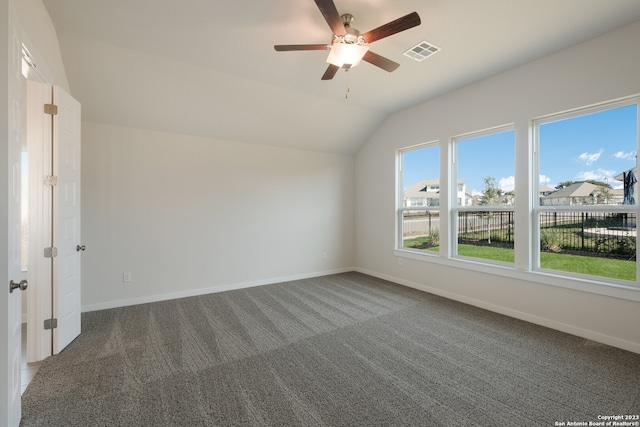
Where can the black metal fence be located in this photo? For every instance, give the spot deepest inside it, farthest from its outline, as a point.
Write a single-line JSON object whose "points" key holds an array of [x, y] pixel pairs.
{"points": [[588, 233], [478, 228], [592, 233]]}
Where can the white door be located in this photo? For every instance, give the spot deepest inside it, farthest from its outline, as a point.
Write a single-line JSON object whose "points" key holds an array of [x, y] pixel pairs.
{"points": [[66, 219], [39, 149], [53, 140], [12, 97]]}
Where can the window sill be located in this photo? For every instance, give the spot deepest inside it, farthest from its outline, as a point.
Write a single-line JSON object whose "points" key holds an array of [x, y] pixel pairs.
{"points": [[599, 287]]}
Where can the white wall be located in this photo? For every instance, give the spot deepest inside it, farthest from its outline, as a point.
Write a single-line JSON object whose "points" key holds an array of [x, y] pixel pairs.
{"points": [[41, 39], [602, 69], [187, 215]]}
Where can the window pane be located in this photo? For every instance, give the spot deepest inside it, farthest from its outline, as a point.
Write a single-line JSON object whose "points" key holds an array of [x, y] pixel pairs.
{"points": [[485, 177], [594, 243], [486, 235], [420, 229], [584, 159], [486, 169], [589, 160]]}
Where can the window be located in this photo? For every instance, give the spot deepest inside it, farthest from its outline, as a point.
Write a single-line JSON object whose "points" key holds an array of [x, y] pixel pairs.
{"points": [[419, 187], [484, 195], [576, 225], [587, 198]]}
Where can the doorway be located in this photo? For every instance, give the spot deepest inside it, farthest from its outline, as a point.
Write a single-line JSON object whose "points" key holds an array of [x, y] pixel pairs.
{"points": [[52, 233]]}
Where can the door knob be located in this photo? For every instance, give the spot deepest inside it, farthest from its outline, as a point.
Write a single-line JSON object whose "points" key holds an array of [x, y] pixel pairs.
{"points": [[80, 248], [22, 285]]}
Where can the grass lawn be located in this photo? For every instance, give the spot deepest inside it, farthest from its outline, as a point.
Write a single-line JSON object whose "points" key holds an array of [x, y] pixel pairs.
{"points": [[487, 252], [595, 266]]}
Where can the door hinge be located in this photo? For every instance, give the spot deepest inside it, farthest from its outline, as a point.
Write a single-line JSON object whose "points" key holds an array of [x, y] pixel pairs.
{"points": [[51, 323], [51, 252], [51, 109], [50, 180]]}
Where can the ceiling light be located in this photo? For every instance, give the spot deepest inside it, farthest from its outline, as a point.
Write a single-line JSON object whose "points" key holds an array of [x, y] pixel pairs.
{"points": [[346, 54]]}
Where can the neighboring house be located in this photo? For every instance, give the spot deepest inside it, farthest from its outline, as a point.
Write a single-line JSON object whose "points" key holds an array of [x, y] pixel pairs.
{"points": [[543, 190], [583, 193], [426, 193], [617, 196]]}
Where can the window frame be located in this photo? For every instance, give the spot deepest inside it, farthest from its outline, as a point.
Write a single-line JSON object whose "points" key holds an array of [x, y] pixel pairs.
{"points": [[539, 209], [400, 206], [456, 208]]}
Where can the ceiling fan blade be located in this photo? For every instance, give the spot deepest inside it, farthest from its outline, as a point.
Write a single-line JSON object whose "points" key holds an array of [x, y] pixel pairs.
{"points": [[331, 71], [390, 28], [380, 61], [290, 47], [331, 15]]}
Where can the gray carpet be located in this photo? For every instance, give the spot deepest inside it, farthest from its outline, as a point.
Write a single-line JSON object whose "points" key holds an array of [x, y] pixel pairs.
{"points": [[340, 350]]}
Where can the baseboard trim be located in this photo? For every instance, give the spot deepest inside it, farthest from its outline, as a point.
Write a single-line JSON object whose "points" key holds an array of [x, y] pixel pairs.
{"points": [[209, 290], [552, 324]]}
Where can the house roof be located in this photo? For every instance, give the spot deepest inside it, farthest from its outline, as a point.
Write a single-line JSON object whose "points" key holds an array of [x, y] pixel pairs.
{"points": [[418, 190], [208, 68], [620, 176], [579, 189], [545, 189], [415, 190]]}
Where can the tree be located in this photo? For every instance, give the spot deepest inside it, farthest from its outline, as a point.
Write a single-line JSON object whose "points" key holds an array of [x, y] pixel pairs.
{"points": [[564, 184], [491, 196], [603, 194]]}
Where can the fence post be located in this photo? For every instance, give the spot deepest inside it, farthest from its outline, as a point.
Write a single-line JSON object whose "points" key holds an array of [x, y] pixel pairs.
{"points": [[582, 234]]}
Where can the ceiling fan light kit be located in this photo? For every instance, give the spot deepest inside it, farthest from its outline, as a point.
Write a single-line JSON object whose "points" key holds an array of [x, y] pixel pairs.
{"points": [[343, 53], [348, 47]]}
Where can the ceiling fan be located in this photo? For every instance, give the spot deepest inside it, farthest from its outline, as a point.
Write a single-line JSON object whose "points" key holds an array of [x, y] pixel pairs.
{"points": [[348, 47]]}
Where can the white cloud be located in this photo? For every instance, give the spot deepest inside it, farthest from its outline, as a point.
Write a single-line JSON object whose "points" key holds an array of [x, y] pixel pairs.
{"points": [[597, 175], [590, 158], [545, 180], [507, 184], [623, 155]]}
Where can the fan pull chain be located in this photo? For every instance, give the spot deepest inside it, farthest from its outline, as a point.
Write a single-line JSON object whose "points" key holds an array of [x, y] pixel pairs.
{"points": [[346, 95]]}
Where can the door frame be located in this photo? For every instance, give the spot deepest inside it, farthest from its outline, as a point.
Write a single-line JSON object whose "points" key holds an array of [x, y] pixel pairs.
{"points": [[11, 90]]}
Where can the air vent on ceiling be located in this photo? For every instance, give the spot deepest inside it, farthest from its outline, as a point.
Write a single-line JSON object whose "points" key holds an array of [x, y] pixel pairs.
{"points": [[422, 50]]}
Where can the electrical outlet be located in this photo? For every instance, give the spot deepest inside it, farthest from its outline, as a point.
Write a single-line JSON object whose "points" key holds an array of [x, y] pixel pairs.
{"points": [[126, 277], [324, 255]]}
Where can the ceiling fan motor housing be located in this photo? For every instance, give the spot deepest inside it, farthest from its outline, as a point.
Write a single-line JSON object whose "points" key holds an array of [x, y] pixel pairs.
{"points": [[352, 34]]}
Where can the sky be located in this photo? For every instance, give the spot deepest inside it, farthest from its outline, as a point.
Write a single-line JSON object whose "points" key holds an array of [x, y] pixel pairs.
{"points": [[596, 146]]}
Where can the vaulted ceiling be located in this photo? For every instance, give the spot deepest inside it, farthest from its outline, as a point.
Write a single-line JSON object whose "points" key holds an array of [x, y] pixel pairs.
{"points": [[208, 68]]}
